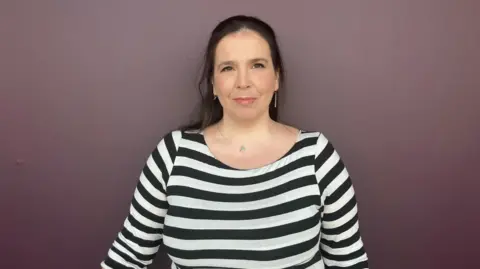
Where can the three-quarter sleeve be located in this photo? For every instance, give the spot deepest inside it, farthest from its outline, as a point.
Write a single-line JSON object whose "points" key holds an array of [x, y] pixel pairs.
{"points": [[138, 242], [341, 243]]}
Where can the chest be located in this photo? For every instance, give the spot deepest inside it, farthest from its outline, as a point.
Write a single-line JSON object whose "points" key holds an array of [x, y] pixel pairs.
{"points": [[248, 156], [217, 202], [242, 212]]}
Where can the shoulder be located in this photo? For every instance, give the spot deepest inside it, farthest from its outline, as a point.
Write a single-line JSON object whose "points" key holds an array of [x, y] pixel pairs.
{"points": [[322, 142], [322, 147], [327, 159], [318, 139], [169, 143], [171, 137]]}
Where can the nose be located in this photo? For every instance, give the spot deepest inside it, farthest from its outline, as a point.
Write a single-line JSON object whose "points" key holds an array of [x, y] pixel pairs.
{"points": [[243, 79]]}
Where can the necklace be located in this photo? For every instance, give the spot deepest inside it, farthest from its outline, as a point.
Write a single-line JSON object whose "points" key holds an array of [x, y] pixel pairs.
{"points": [[242, 147]]}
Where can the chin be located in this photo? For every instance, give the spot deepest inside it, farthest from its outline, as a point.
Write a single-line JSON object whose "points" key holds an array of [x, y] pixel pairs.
{"points": [[247, 115]]}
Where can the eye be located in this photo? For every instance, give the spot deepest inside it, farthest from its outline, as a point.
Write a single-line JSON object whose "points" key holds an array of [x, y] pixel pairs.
{"points": [[226, 68], [258, 65]]}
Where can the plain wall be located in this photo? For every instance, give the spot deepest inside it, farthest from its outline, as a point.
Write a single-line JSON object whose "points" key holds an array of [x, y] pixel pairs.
{"points": [[89, 87]]}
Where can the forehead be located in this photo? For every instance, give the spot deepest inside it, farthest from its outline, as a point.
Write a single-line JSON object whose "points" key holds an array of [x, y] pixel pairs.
{"points": [[244, 44]]}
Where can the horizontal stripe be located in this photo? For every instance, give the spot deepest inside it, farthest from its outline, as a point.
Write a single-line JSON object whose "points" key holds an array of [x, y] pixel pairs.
{"points": [[342, 242], [244, 234], [155, 236], [221, 263], [349, 224], [212, 214], [253, 255], [126, 255], [359, 262], [244, 244], [250, 179], [186, 222], [146, 209], [247, 206], [115, 261], [344, 215], [275, 190], [224, 187], [145, 217]]}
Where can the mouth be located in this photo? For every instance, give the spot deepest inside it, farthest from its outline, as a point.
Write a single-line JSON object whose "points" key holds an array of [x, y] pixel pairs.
{"points": [[244, 100]]}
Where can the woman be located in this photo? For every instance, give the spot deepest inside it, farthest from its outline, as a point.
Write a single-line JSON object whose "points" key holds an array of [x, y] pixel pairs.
{"points": [[238, 189]]}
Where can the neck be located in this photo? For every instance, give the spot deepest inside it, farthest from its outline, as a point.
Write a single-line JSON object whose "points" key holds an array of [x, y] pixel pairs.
{"points": [[246, 131]]}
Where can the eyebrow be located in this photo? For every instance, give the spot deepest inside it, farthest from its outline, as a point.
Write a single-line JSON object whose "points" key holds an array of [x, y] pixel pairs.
{"points": [[251, 61]]}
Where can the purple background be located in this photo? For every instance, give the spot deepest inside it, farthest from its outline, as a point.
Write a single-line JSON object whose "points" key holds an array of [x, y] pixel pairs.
{"points": [[88, 88]]}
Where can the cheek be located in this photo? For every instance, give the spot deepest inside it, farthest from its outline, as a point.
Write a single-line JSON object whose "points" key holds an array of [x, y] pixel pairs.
{"points": [[265, 82], [224, 85]]}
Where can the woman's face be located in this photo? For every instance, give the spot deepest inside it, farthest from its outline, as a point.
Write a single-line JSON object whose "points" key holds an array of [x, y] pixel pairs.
{"points": [[244, 78]]}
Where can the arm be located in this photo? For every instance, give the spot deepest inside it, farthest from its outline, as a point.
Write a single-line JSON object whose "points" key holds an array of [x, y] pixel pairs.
{"points": [[340, 242], [138, 242]]}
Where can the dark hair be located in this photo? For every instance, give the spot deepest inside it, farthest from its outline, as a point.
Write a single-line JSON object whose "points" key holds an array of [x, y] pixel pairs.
{"points": [[211, 110]]}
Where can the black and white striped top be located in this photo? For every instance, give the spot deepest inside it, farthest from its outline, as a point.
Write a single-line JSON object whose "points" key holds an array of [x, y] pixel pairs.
{"points": [[298, 212]]}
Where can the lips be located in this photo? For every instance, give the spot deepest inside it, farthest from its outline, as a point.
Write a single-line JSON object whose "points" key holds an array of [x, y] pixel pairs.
{"points": [[245, 100]]}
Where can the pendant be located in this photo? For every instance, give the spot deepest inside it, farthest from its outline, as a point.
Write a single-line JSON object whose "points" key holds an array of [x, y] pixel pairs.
{"points": [[242, 148]]}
